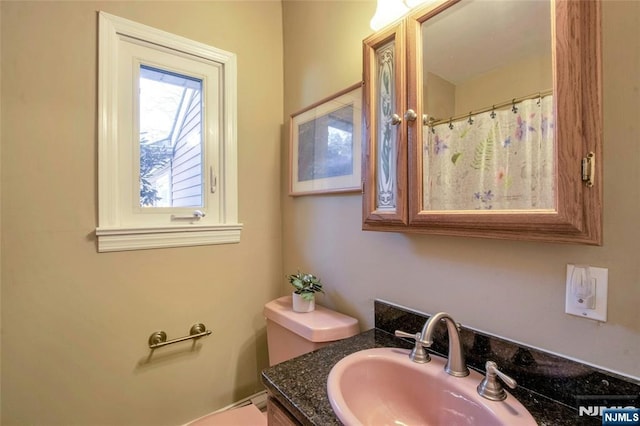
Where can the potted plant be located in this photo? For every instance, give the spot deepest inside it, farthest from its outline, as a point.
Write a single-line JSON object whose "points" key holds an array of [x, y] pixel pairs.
{"points": [[305, 287]]}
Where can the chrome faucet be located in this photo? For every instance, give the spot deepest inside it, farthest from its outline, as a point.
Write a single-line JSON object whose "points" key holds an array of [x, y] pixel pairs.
{"points": [[456, 365]]}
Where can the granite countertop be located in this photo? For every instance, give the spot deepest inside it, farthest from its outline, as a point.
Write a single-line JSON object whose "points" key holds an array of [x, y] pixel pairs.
{"points": [[300, 384]]}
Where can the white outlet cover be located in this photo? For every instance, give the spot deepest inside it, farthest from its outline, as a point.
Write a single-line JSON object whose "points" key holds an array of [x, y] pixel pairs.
{"points": [[600, 276]]}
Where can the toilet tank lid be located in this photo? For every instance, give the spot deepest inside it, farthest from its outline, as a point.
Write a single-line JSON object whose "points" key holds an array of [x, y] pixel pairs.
{"points": [[321, 325]]}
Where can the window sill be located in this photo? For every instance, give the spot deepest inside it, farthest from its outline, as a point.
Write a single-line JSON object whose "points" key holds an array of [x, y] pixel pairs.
{"points": [[123, 239]]}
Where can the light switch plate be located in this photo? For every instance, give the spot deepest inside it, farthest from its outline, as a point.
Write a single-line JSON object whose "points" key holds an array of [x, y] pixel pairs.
{"points": [[575, 305]]}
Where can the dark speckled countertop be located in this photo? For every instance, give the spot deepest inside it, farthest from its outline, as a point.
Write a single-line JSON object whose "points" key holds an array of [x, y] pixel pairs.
{"points": [[299, 385]]}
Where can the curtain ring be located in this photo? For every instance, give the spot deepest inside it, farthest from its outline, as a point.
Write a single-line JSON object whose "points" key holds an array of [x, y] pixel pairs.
{"points": [[450, 125], [514, 108], [470, 120], [493, 112]]}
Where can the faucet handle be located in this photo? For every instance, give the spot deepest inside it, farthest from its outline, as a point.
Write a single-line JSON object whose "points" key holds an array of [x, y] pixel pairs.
{"points": [[418, 354], [490, 387]]}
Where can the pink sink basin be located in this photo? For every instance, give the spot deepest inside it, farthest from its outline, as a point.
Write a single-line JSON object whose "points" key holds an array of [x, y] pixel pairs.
{"points": [[383, 386]]}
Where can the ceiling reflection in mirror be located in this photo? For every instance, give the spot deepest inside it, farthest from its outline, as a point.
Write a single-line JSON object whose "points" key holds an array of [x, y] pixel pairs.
{"points": [[488, 140]]}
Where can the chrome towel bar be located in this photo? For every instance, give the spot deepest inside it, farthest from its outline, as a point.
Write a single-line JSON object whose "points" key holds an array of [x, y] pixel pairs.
{"points": [[159, 338]]}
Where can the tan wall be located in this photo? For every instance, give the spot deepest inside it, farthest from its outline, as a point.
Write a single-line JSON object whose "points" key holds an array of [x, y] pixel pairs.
{"points": [[527, 76], [522, 78], [75, 322], [440, 99], [513, 289]]}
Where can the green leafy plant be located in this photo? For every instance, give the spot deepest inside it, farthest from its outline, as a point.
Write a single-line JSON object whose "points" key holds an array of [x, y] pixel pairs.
{"points": [[305, 285]]}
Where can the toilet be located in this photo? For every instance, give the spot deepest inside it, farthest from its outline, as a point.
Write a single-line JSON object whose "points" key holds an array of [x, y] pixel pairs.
{"points": [[289, 334]]}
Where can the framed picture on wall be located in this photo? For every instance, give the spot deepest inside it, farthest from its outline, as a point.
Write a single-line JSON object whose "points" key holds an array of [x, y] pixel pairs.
{"points": [[325, 145]]}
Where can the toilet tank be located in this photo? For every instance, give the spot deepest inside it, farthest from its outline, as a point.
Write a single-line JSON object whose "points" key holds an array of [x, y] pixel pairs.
{"points": [[290, 334]]}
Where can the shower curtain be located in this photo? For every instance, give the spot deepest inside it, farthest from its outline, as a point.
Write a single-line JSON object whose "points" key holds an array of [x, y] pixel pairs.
{"points": [[496, 160]]}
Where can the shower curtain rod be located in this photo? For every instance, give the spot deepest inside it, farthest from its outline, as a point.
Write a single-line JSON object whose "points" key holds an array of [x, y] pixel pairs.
{"points": [[433, 122]]}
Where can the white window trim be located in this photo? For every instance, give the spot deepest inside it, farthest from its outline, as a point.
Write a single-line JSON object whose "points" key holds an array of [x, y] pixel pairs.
{"points": [[112, 234]]}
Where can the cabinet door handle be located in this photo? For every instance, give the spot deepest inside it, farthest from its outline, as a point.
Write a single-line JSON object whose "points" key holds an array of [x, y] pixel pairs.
{"points": [[395, 119], [410, 115]]}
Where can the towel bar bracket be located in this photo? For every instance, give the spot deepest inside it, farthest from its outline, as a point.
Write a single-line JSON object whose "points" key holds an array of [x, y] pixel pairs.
{"points": [[159, 338]]}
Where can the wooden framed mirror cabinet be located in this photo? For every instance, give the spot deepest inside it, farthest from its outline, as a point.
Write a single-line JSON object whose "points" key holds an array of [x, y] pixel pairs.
{"points": [[484, 119]]}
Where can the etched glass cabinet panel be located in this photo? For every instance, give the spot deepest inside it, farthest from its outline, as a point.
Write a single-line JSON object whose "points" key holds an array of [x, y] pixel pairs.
{"points": [[387, 137], [489, 145], [385, 148]]}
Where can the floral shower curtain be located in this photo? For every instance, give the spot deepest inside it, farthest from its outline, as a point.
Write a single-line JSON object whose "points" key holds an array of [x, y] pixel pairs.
{"points": [[499, 160]]}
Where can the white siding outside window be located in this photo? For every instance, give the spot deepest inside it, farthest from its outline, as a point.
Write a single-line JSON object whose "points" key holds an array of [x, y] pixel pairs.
{"points": [[190, 195]]}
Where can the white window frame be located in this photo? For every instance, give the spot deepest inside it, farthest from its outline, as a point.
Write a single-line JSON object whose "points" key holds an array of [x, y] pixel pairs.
{"points": [[116, 230]]}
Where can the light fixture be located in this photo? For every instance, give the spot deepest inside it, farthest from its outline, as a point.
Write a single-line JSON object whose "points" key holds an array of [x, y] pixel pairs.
{"points": [[413, 3], [388, 11]]}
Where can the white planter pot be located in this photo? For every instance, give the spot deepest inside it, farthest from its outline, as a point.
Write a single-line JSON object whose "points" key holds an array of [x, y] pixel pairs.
{"points": [[301, 305]]}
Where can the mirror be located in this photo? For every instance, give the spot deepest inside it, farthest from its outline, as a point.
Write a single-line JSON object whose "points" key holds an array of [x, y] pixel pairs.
{"points": [[488, 135]]}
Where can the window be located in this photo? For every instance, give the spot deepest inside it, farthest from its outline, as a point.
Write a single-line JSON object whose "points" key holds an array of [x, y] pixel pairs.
{"points": [[160, 115], [170, 137], [167, 140]]}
